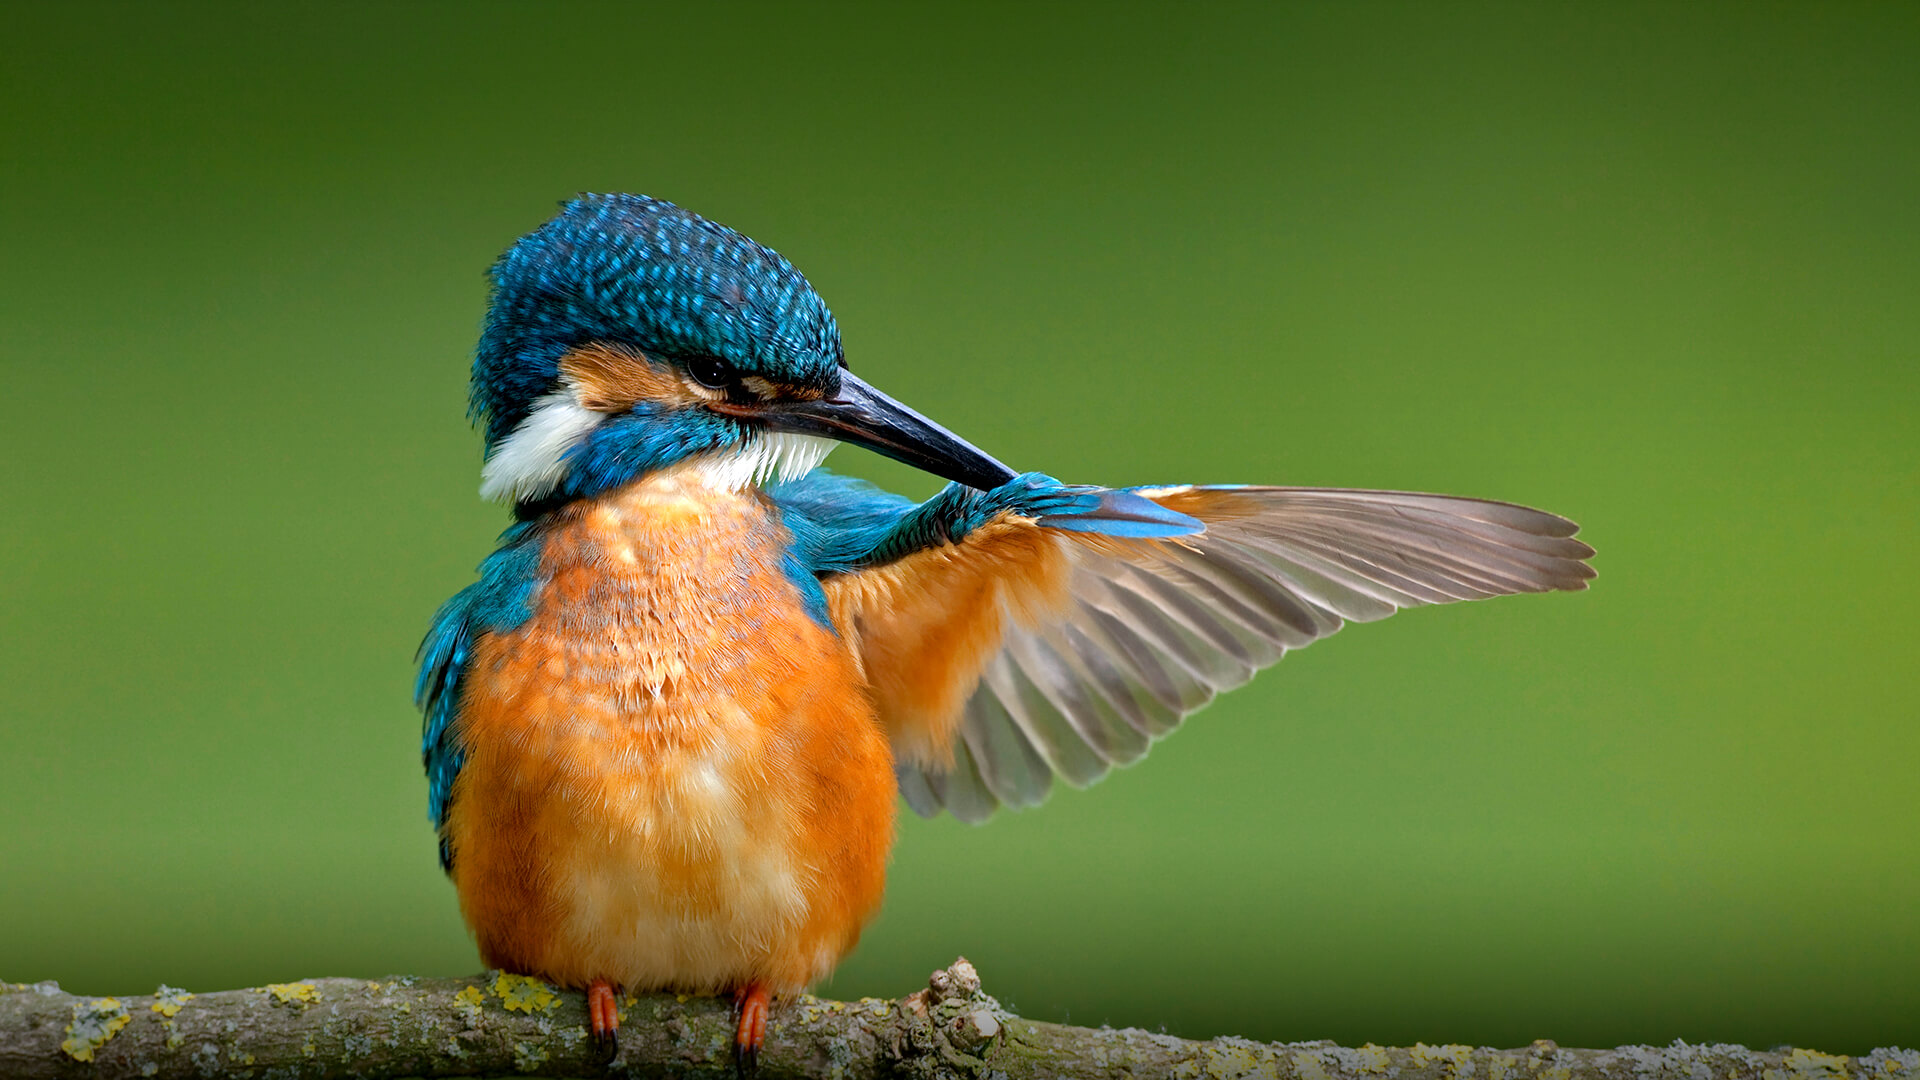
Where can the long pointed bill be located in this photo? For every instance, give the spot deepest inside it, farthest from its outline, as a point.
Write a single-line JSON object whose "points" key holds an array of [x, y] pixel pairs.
{"points": [[863, 416]]}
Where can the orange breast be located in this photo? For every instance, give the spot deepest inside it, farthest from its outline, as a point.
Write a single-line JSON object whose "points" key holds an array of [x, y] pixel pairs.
{"points": [[674, 777]]}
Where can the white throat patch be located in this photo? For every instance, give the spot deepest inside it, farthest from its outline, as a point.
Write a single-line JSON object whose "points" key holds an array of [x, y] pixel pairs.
{"points": [[532, 459], [766, 456]]}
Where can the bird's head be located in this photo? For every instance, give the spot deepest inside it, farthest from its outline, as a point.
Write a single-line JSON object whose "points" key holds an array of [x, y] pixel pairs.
{"points": [[627, 336]]}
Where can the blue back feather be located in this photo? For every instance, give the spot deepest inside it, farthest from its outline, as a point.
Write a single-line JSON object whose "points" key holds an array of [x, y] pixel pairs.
{"points": [[841, 524], [497, 602]]}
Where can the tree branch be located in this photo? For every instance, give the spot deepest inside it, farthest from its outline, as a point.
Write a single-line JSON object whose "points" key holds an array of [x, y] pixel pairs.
{"points": [[502, 1024]]}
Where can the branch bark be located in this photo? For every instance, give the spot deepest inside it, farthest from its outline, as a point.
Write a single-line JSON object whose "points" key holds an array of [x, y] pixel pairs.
{"points": [[497, 1025]]}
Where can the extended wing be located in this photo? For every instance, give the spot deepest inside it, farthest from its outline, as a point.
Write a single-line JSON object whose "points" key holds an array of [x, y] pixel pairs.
{"points": [[1025, 652]]}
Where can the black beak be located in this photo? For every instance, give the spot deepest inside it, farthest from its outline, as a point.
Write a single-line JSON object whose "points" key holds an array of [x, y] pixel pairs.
{"points": [[863, 416]]}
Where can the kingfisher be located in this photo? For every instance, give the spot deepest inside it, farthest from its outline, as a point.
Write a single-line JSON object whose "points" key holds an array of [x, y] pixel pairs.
{"points": [[666, 730]]}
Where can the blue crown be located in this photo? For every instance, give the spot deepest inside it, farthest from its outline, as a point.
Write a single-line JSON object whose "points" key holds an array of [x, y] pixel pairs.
{"points": [[646, 273]]}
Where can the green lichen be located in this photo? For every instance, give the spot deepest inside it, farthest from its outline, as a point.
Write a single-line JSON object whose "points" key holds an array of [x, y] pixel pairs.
{"points": [[299, 993], [1224, 1057], [528, 1057], [168, 999], [1890, 1062], [517, 993], [95, 1022]]}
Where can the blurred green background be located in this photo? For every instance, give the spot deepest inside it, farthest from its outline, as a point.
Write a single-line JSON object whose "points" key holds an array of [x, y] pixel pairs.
{"points": [[1652, 267]]}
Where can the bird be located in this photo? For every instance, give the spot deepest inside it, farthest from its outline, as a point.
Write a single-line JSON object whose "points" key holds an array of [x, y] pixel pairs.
{"points": [[666, 730]]}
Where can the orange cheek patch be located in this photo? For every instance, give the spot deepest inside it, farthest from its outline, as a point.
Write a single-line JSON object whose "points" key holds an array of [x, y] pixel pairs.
{"points": [[612, 378]]}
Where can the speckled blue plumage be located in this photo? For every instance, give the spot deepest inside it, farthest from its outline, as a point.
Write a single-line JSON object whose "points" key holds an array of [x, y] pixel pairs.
{"points": [[642, 272], [645, 437]]}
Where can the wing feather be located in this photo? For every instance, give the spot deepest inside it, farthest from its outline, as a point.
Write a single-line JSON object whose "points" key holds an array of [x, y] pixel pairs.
{"points": [[961, 790], [1014, 771], [1151, 629]]}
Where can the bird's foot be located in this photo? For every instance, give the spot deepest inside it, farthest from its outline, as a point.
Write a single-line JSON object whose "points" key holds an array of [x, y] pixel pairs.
{"points": [[603, 1014], [752, 1003]]}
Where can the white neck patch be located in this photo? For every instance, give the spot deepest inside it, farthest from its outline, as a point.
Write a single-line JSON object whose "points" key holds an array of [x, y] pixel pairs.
{"points": [[531, 460]]}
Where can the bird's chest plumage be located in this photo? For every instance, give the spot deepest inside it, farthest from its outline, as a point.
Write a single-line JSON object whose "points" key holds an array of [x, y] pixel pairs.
{"points": [[673, 777]]}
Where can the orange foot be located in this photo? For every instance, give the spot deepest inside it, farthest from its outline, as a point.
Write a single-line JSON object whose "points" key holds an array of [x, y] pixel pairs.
{"points": [[602, 1017], [753, 1002]]}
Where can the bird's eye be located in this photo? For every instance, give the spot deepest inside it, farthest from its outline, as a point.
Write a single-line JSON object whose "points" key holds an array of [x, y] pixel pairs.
{"points": [[710, 372]]}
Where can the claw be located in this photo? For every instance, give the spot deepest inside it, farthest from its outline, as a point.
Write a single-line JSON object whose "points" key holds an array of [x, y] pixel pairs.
{"points": [[752, 1003], [602, 1014]]}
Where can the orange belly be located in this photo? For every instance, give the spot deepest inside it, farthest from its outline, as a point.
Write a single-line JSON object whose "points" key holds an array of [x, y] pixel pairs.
{"points": [[674, 777]]}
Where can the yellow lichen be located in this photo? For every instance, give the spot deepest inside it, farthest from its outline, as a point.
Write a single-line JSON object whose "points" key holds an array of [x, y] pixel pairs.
{"points": [[1374, 1060], [1307, 1066], [168, 999], [300, 993], [517, 993], [95, 1021], [1217, 1059], [470, 995], [1815, 1063], [1457, 1060]]}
